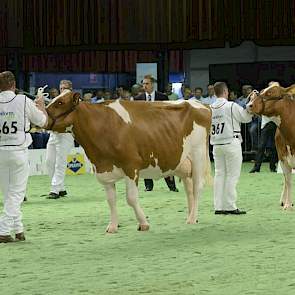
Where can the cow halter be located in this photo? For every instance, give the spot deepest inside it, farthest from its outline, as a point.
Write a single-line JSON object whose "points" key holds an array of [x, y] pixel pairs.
{"points": [[59, 116]]}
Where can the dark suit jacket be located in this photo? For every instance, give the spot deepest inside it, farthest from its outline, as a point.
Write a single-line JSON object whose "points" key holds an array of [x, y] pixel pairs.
{"points": [[158, 96]]}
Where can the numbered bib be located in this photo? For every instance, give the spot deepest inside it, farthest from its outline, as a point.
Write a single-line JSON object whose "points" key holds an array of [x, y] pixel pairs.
{"points": [[12, 121], [222, 130]]}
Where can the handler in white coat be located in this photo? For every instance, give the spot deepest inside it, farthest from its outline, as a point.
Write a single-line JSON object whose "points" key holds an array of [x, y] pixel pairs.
{"points": [[227, 151], [16, 113], [58, 147]]}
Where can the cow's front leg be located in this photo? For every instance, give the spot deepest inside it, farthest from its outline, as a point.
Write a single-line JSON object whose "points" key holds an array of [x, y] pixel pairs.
{"points": [[286, 197], [132, 200], [111, 196]]}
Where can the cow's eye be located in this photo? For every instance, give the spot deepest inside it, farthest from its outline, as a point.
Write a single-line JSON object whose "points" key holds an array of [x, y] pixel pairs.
{"points": [[60, 103]]}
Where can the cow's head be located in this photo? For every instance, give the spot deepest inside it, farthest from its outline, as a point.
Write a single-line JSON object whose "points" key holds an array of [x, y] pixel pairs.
{"points": [[60, 110], [264, 103]]}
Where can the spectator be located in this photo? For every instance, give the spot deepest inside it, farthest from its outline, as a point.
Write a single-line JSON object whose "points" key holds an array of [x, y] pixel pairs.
{"points": [[53, 92], [98, 96], [169, 93], [151, 95], [120, 90], [254, 132], [198, 94], [268, 130], [136, 90], [242, 100], [211, 98], [126, 95], [187, 93], [107, 94], [87, 97], [232, 95]]}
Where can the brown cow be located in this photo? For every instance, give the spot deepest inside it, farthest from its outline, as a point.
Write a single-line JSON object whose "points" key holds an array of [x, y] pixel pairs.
{"points": [[126, 139], [279, 102]]}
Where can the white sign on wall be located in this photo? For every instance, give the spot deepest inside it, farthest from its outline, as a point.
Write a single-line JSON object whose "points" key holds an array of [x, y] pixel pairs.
{"points": [[37, 160], [143, 69]]}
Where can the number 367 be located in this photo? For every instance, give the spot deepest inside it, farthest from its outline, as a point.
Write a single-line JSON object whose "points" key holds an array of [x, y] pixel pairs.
{"points": [[217, 128]]}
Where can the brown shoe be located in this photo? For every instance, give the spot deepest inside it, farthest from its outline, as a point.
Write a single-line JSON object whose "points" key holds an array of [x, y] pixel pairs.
{"points": [[20, 237], [6, 239]]}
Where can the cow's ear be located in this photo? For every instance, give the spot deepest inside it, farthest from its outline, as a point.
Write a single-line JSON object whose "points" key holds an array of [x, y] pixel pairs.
{"points": [[76, 98], [291, 89]]}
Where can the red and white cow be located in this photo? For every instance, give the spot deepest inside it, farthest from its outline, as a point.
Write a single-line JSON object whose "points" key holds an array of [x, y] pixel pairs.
{"points": [[280, 102], [126, 139]]}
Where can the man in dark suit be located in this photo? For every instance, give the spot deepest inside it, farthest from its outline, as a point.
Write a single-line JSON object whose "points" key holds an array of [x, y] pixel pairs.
{"points": [[150, 94]]}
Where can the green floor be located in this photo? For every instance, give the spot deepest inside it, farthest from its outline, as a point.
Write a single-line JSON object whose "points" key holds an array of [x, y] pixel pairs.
{"points": [[67, 251]]}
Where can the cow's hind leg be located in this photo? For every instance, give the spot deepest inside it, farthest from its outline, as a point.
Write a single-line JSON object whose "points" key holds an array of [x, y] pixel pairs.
{"points": [[111, 197], [188, 186], [132, 200], [184, 171], [286, 197], [200, 162]]}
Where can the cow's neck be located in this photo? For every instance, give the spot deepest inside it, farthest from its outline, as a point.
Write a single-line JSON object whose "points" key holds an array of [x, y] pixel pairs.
{"points": [[284, 112], [91, 128]]}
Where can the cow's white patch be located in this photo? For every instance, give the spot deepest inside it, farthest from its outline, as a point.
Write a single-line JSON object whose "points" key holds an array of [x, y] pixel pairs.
{"points": [[277, 120], [269, 87], [69, 129], [136, 174], [194, 140], [151, 155], [110, 177], [59, 96], [120, 110]]}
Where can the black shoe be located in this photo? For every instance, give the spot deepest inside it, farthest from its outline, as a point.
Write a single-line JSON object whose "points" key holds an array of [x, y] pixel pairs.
{"points": [[62, 193], [253, 170], [20, 237], [235, 212], [148, 189], [218, 212], [53, 196], [174, 190]]}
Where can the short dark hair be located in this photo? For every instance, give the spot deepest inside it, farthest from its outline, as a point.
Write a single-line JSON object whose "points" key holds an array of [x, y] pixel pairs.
{"points": [[7, 80], [219, 87], [150, 77], [199, 88]]}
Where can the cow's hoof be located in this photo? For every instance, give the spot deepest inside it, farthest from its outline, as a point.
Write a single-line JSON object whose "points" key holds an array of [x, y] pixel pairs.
{"points": [[190, 221], [282, 204], [143, 227], [111, 228], [288, 206]]}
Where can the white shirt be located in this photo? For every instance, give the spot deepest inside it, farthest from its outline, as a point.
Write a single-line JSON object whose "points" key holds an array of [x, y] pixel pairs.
{"points": [[152, 96], [31, 114], [265, 120], [226, 119], [209, 99]]}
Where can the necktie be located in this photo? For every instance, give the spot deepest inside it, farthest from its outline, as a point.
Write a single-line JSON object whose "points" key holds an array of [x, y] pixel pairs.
{"points": [[149, 97]]}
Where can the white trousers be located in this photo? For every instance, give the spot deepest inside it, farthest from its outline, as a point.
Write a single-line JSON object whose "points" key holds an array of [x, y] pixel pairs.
{"points": [[228, 162], [14, 173], [58, 147]]}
